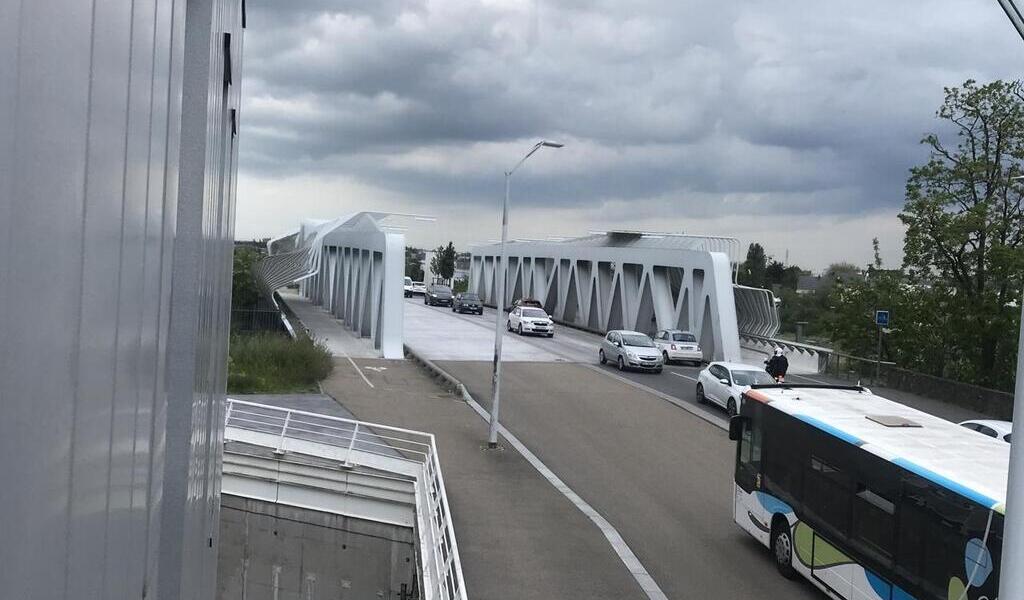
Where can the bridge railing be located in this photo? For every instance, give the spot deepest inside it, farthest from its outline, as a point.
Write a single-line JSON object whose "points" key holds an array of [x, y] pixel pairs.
{"points": [[358, 443]]}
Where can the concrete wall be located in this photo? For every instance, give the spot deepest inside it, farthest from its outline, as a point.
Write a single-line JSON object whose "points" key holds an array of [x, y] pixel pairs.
{"points": [[114, 286], [277, 552]]}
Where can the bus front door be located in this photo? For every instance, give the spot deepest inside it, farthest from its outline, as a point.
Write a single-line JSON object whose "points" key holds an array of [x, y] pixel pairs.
{"points": [[750, 512]]}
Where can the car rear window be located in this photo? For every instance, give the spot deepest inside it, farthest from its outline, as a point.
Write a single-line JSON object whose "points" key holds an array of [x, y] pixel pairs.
{"points": [[534, 313], [683, 337]]}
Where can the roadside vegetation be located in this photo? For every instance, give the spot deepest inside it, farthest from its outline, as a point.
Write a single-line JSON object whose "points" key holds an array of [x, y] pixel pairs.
{"points": [[271, 363], [955, 299]]}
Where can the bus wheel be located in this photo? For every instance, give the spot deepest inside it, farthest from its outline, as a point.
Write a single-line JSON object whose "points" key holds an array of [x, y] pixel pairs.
{"points": [[730, 407], [782, 547]]}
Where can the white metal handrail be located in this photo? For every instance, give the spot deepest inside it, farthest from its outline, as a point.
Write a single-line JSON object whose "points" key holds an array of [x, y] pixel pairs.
{"points": [[439, 553]]}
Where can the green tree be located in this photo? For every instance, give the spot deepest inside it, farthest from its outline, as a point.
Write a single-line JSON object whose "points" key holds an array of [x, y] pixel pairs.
{"points": [[442, 263], [245, 293], [965, 224], [414, 263], [752, 270], [776, 273]]}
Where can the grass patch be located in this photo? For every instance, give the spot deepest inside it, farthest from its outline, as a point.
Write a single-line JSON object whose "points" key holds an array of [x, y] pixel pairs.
{"points": [[270, 363]]}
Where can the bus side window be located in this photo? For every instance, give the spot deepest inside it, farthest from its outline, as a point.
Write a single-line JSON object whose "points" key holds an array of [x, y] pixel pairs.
{"points": [[750, 446], [934, 526]]}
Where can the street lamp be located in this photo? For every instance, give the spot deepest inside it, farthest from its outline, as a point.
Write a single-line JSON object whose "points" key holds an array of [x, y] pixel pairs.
{"points": [[1011, 578], [499, 304]]}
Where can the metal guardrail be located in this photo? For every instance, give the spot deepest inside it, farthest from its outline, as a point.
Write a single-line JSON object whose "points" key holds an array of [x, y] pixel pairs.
{"points": [[441, 567]]}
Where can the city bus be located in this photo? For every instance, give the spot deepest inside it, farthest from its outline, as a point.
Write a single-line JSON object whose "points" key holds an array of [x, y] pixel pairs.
{"points": [[867, 498]]}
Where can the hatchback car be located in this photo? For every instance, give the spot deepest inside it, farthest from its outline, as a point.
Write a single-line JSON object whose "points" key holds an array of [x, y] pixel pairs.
{"points": [[418, 289], [408, 287], [525, 319], [467, 302], [438, 295], [678, 345], [630, 350], [1001, 430], [723, 383]]}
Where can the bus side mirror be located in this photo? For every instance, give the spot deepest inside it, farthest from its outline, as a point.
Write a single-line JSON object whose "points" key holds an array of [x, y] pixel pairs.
{"points": [[736, 427]]}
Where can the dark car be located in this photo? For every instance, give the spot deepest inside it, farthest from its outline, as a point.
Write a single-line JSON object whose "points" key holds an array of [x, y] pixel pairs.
{"points": [[467, 302], [438, 295]]}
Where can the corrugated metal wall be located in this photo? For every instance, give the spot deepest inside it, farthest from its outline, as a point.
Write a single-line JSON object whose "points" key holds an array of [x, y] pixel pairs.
{"points": [[114, 293]]}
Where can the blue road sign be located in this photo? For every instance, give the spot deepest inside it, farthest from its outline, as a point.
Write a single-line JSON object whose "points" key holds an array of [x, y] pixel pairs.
{"points": [[882, 318]]}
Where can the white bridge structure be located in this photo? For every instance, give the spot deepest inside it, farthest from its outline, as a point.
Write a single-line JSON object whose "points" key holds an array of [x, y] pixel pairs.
{"points": [[633, 280], [352, 266]]}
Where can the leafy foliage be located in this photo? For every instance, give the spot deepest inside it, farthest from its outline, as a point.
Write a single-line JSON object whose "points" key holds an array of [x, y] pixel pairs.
{"points": [[244, 291], [442, 263], [272, 363], [965, 224], [414, 263], [752, 270]]}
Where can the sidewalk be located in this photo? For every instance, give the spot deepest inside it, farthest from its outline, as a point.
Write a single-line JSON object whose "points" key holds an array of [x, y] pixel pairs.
{"points": [[518, 537], [323, 326]]}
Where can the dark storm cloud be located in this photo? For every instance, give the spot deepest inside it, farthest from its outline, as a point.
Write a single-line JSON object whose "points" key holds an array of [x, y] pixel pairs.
{"points": [[749, 107]]}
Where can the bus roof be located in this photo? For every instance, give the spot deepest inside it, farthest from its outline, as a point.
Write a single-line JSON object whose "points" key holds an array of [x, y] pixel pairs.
{"points": [[964, 461]]}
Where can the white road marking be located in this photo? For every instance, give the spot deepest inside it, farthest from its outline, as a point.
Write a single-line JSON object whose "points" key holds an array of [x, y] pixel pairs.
{"points": [[625, 554], [376, 369], [358, 370], [683, 376], [690, 408]]}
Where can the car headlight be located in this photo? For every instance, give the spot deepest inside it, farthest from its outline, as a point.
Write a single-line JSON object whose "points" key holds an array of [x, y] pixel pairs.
{"points": [[630, 354]]}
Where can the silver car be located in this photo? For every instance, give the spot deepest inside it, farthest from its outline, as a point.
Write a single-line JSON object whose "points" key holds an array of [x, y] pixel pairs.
{"points": [[630, 350]]}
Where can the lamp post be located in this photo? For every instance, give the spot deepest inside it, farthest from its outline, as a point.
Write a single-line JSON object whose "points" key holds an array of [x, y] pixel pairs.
{"points": [[1011, 575], [499, 304]]}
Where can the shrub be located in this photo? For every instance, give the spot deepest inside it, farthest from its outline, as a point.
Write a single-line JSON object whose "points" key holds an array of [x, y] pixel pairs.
{"points": [[274, 363]]}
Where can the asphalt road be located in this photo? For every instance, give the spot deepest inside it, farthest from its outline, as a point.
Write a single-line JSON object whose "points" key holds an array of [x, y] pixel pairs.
{"points": [[660, 475], [439, 334]]}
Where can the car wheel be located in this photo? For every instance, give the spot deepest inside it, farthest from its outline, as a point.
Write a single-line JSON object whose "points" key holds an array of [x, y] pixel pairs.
{"points": [[782, 547], [508, 325], [622, 365], [730, 407], [664, 356], [601, 357], [700, 394], [520, 331], [551, 335]]}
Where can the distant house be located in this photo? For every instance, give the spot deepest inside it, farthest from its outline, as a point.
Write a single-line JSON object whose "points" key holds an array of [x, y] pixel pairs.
{"points": [[808, 284]]}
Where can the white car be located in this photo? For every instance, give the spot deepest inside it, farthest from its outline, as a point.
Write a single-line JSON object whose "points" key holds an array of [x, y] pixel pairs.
{"points": [[418, 288], [676, 344], [723, 383], [408, 287], [1001, 430], [526, 319]]}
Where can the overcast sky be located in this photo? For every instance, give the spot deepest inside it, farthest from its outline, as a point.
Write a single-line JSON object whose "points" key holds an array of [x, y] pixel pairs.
{"points": [[790, 123]]}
